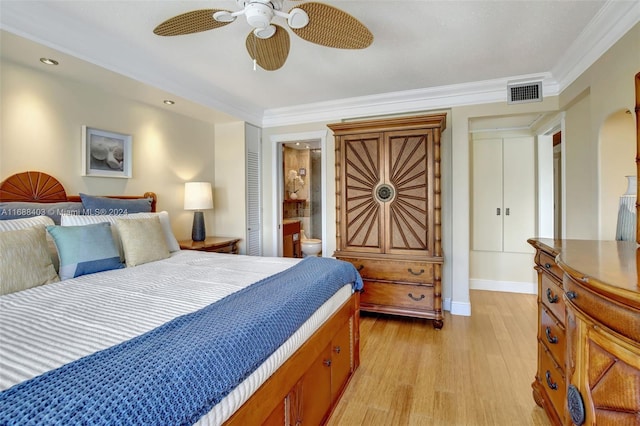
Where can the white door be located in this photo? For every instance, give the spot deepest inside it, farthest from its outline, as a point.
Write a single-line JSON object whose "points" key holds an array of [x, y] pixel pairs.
{"points": [[503, 194], [518, 185], [487, 195], [254, 202]]}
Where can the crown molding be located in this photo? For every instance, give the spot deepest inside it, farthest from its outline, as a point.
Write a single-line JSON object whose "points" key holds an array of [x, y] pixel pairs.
{"points": [[609, 25], [478, 92], [612, 22]]}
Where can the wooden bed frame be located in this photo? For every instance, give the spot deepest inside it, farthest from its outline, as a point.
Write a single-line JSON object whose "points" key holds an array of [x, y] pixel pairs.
{"points": [[40, 187], [306, 388]]}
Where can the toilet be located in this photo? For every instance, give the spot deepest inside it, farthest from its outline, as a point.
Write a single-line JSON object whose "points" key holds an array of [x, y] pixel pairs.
{"points": [[310, 246]]}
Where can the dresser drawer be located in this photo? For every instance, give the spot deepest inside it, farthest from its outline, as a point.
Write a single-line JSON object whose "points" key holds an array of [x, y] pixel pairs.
{"points": [[551, 296], [401, 295], [548, 263], [551, 376], [620, 318], [552, 334], [394, 270]]}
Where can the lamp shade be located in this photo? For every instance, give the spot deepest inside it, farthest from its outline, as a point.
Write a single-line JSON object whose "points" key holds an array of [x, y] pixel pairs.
{"points": [[197, 196]]}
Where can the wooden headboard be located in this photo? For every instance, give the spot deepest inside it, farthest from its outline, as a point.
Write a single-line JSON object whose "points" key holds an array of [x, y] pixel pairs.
{"points": [[40, 187]]}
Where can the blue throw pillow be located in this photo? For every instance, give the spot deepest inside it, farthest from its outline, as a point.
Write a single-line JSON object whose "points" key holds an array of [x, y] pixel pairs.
{"points": [[114, 206], [85, 249]]}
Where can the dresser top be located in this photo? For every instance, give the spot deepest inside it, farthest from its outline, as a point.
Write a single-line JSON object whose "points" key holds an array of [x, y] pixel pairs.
{"points": [[610, 266]]}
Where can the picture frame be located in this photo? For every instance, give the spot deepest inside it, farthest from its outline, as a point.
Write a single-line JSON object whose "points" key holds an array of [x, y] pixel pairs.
{"points": [[106, 153]]}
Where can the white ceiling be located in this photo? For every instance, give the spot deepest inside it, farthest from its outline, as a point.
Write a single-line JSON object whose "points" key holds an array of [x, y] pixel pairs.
{"points": [[422, 51]]}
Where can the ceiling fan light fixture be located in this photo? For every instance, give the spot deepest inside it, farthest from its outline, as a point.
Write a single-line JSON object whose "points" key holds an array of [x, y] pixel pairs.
{"points": [[224, 16], [258, 15], [265, 33], [298, 18]]}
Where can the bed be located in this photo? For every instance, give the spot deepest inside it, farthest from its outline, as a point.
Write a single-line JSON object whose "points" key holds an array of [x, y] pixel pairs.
{"points": [[132, 345]]}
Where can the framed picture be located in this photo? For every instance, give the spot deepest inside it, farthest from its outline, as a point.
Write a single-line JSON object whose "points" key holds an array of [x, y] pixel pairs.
{"points": [[106, 154]]}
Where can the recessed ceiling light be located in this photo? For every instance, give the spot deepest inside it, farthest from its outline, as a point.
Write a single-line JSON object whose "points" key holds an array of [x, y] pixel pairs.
{"points": [[169, 102], [48, 61]]}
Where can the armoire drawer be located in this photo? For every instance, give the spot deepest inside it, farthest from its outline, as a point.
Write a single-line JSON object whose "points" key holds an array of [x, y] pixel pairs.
{"points": [[392, 270], [551, 296], [552, 334], [401, 295]]}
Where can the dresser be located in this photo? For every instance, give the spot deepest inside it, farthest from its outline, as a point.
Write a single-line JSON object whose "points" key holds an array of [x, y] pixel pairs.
{"points": [[388, 212], [588, 351]]}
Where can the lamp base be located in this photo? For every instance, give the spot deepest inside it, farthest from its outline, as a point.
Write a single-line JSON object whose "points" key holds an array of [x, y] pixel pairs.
{"points": [[198, 232]]}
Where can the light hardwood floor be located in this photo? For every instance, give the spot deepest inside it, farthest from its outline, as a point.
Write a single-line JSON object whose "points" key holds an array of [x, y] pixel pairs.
{"points": [[477, 370]]}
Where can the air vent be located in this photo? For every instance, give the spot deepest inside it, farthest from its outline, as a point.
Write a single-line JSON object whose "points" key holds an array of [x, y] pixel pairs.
{"points": [[521, 93]]}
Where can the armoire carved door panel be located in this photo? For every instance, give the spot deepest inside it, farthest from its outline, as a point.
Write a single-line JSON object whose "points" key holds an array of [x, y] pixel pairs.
{"points": [[362, 224], [408, 159]]}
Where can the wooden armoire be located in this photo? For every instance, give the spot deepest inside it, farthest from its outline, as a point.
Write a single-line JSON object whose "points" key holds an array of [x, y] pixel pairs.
{"points": [[388, 212]]}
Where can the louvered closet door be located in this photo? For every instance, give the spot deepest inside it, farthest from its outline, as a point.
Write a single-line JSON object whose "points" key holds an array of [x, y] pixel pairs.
{"points": [[361, 223], [409, 160]]}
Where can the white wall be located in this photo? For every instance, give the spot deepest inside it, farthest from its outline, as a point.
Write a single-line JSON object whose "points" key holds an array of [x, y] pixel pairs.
{"points": [[617, 151], [602, 90], [42, 115], [229, 203]]}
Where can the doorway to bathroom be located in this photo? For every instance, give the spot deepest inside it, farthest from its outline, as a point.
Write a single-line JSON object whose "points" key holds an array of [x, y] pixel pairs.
{"points": [[302, 203], [300, 193]]}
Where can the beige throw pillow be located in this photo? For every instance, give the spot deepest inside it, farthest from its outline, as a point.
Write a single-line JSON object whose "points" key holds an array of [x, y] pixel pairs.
{"points": [[25, 260], [142, 240]]}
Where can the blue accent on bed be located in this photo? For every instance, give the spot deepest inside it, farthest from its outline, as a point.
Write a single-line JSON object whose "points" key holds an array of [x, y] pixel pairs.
{"points": [[176, 373]]}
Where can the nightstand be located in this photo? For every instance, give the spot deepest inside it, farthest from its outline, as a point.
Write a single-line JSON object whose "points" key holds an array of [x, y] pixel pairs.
{"points": [[212, 244]]}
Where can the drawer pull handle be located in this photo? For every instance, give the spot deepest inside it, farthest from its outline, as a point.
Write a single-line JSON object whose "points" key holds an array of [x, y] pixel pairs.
{"points": [[552, 386], [417, 299], [551, 297], [337, 349], [571, 295], [415, 273], [547, 265], [360, 268], [551, 339], [327, 362]]}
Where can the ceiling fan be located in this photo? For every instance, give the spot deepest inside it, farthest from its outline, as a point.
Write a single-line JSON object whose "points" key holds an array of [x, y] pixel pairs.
{"points": [[268, 43]]}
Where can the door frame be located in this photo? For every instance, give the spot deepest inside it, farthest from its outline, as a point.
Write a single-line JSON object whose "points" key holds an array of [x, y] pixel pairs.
{"points": [[277, 182]]}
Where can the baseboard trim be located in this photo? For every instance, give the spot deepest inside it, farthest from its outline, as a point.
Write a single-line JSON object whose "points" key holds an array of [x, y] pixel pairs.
{"points": [[505, 286], [460, 308]]}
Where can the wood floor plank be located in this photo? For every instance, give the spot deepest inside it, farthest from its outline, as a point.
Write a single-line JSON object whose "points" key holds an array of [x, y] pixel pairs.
{"points": [[476, 371]]}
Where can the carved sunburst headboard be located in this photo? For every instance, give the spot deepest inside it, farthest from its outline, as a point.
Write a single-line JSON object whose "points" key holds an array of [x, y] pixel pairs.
{"points": [[43, 188], [32, 186]]}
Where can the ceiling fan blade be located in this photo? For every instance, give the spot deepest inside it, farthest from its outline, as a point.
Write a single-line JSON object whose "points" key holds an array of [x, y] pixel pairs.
{"points": [[270, 53], [331, 27], [189, 23]]}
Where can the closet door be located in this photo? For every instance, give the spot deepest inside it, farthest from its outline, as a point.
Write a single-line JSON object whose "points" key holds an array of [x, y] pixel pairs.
{"points": [[361, 165], [409, 171], [487, 195], [518, 194], [503, 194]]}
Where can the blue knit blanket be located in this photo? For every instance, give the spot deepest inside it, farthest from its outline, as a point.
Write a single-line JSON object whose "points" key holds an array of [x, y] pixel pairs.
{"points": [[176, 373]]}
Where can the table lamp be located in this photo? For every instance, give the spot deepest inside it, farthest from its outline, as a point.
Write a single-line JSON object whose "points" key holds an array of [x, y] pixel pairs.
{"points": [[197, 196]]}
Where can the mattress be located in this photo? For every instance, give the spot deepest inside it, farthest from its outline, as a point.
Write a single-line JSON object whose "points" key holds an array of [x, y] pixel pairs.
{"points": [[46, 327]]}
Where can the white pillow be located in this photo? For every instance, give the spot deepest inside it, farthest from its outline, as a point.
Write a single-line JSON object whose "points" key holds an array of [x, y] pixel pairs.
{"points": [[142, 240], [29, 222], [78, 220], [24, 260]]}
